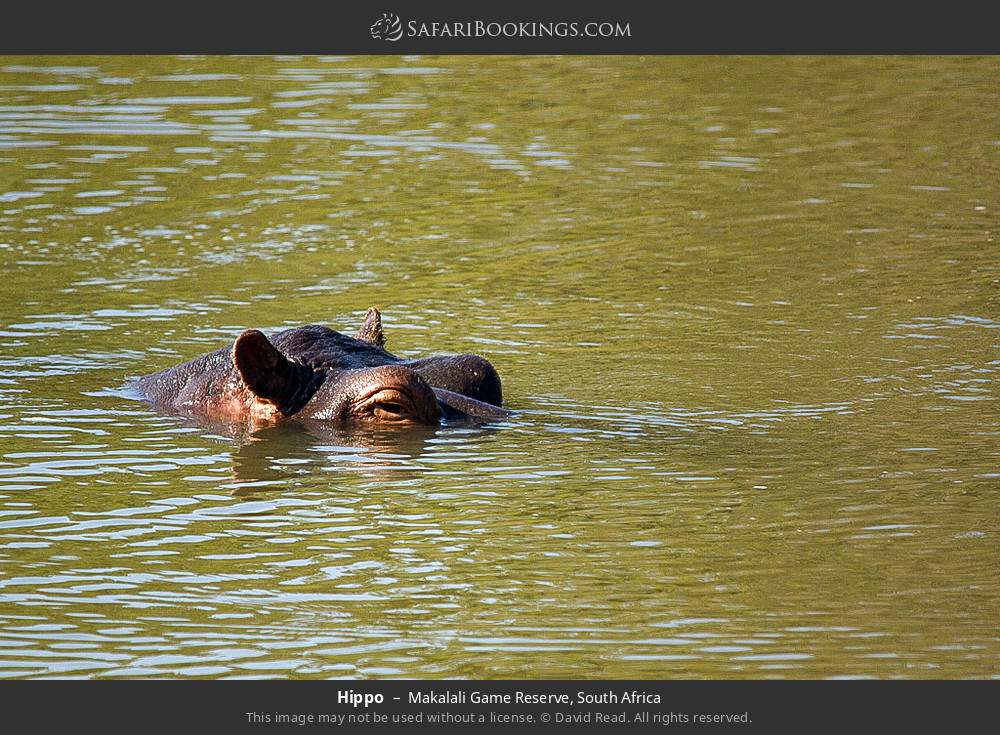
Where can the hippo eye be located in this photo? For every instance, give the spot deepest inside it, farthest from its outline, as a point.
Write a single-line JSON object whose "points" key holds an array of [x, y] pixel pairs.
{"points": [[387, 405], [388, 411]]}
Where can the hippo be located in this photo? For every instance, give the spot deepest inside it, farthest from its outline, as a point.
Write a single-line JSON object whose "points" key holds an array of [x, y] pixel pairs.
{"points": [[315, 374]]}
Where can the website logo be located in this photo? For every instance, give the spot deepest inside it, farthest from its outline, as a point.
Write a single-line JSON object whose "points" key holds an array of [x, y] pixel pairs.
{"points": [[390, 28], [387, 28]]}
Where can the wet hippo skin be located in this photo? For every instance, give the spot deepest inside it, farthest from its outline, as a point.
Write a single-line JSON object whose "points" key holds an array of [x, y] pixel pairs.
{"points": [[313, 373]]}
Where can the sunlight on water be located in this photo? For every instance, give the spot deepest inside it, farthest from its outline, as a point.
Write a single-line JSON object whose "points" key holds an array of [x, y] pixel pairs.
{"points": [[745, 311]]}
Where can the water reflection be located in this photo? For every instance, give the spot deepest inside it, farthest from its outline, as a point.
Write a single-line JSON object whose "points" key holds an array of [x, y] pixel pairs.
{"points": [[268, 456]]}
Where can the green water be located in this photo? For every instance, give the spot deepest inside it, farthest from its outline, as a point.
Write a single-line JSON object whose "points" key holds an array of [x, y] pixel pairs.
{"points": [[746, 311]]}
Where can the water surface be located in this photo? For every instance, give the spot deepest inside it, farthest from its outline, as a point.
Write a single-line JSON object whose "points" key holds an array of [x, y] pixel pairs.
{"points": [[746, 310]]}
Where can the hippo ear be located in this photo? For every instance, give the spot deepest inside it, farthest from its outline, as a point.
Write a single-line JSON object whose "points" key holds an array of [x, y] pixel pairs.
{"points": [[371, 329], [271, 376]]}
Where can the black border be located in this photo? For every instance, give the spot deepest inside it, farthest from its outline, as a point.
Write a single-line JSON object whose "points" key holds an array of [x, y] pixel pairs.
{"points": [[656, 27], [770, 706], [665, 27]]}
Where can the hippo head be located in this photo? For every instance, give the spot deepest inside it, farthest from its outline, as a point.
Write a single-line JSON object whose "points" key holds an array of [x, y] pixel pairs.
{"points": [[379, 394], [315, 374]]}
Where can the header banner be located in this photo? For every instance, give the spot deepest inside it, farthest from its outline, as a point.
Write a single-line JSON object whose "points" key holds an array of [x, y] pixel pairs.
{"points": [[625, 27]]}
